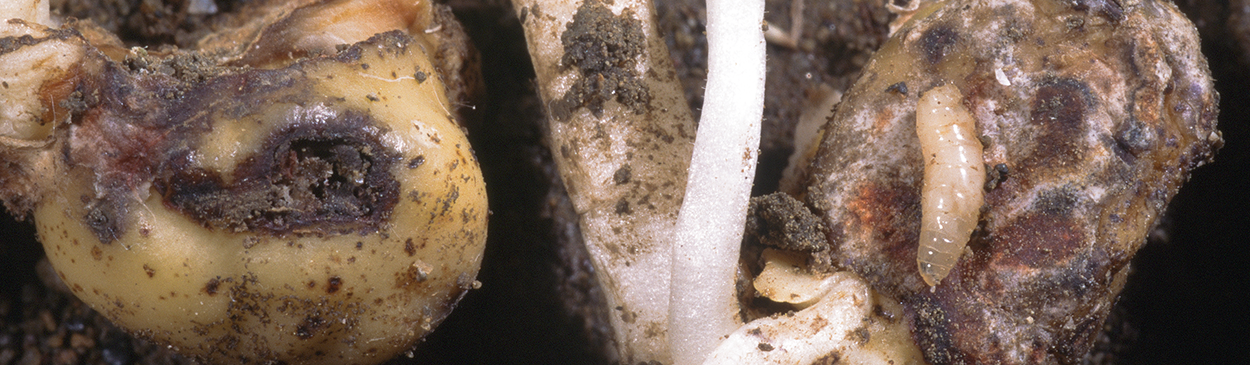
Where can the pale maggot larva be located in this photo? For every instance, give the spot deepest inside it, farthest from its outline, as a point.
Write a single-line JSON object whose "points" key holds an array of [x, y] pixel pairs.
{"points": [[953, 178]]}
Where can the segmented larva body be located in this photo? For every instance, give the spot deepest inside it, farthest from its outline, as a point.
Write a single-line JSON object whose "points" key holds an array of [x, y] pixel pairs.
{"points": [[953, 179]]}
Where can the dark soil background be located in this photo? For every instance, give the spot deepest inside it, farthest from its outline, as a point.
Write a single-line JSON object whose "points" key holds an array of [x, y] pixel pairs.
{"points": [[1185, 301]]}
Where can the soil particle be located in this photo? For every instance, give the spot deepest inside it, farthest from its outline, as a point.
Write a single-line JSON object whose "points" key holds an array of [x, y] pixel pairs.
{"points": [[780, 221], [604, 48]]}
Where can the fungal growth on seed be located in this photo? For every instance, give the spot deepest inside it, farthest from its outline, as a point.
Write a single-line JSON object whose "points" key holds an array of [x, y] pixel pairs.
{"points": [[316, 203]]}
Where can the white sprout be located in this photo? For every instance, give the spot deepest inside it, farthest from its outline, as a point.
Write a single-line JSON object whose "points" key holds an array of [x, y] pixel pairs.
{"points": [[703, 307]]}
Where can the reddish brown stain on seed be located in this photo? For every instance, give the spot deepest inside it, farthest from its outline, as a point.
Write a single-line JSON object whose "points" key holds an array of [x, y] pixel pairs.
{"points": [[1058, 110], [410, 248], [818, 324], [1046, 236], [884, 120], [410, 278], [96, 253], [832, 358], [148, 270], [893, 210], [333, 284], [210, 287]]}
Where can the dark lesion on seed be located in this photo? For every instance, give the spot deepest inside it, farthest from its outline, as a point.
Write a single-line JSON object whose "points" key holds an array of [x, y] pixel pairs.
{"points": [[861, 335], [410, 248], [321, 174], [211, 286], [333, 284], [622, 207], [310, 327], [622, 175], [937, 42], [416, 162], [831, 358], [106, 218], [604, 48], [1133, 138], [310, 177], [935, 335], [14, 43]]}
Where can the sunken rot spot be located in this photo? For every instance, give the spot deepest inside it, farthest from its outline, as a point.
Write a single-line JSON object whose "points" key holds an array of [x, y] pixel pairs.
{"points": [[321, 173]]}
